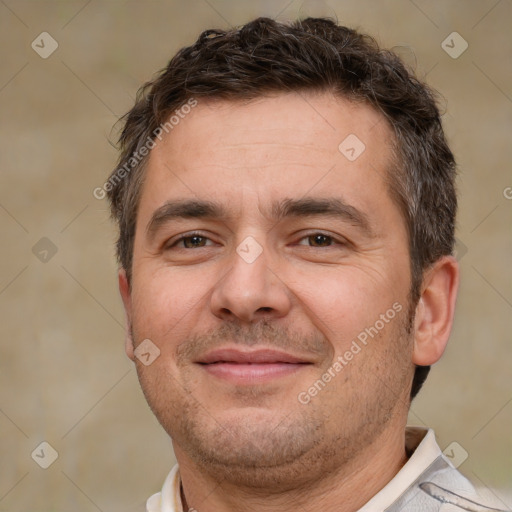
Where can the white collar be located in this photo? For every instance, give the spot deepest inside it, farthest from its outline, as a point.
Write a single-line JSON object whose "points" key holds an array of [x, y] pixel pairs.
{"points": [[169, 500], [426, 451]]}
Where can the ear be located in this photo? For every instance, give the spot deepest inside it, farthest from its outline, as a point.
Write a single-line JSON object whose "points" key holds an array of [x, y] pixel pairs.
{"points": [[435, 311], [124, 290]]}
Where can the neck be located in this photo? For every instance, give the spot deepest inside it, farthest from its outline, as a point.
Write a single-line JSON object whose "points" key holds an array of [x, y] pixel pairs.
{"points": [[341, 489]]}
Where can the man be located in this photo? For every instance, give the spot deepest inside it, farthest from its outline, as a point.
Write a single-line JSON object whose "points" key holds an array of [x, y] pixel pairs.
{"points": [[286, 204]]}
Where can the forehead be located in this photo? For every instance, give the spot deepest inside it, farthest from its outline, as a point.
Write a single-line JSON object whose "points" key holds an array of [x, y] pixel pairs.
{"points": [[313, 120], [289, 143]]}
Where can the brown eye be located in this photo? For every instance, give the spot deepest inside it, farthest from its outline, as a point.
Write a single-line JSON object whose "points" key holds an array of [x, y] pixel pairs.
{"points": [[193, 241], [320, 240], [190, 241]]}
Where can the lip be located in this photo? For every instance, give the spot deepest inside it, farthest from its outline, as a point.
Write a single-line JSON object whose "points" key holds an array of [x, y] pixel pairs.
{"points": [[251, 367], [262, 356]]}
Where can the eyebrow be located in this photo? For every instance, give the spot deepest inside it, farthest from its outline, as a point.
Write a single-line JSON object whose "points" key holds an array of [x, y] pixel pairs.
{"points": [[184, 209], [326, 207], [304, 207]]}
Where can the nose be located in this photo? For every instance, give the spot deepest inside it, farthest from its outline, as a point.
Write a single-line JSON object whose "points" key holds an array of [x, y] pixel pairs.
{"points": [[249, 290]]}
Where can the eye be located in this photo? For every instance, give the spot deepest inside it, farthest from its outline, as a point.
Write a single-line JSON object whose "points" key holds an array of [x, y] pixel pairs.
{"points": [[318, 240], [189, 241]]}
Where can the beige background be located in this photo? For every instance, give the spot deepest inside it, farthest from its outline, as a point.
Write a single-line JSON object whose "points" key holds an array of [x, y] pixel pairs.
{"points": [[64, 377]]}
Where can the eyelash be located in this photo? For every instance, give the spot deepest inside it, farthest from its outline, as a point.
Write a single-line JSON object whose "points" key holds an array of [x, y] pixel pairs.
{"points": [[200, 235], [184, 237]]}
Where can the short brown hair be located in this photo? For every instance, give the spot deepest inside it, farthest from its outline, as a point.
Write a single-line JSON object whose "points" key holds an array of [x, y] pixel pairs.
{"points": [[315, 54]]}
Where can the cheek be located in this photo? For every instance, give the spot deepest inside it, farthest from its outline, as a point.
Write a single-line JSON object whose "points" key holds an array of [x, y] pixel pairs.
{"points": [[342, 302], [164, 301]]}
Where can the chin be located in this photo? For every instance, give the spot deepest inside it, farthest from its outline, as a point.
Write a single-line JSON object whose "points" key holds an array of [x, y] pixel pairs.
{"points": [[253, 448]]}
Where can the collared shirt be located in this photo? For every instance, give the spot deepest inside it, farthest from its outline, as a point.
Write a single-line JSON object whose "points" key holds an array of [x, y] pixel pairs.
{"points": [[428, 482]]}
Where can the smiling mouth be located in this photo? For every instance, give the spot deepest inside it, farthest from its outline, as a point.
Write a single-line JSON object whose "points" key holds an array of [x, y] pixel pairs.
{"points": [[253, 367]]}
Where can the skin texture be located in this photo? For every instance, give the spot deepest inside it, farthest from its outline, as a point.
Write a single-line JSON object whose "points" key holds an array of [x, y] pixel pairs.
{"points": [[250, 444]]}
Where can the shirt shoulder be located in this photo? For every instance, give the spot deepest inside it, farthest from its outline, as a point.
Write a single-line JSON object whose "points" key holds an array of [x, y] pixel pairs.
{"points": [[430, 482], [442, 488]]}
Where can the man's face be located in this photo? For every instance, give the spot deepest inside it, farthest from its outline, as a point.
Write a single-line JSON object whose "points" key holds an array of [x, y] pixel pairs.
{"points": [[306, 255]]}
